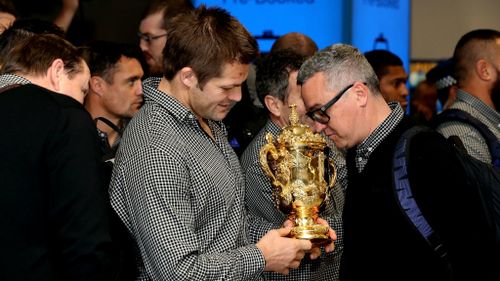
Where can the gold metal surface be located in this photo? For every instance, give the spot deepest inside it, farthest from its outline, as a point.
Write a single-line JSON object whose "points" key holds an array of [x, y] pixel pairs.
{"points": [[301, 175]]}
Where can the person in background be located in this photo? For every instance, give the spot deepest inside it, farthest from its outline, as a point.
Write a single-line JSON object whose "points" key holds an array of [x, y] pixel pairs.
{"points": [[249, 116], [441, 76], [115, 90], [423, 102], [297, 42], [476, 58], [65, 16], [177, 184], [391, 74], [153, 30], [278, 89], [52, 190], [342, 96], [8, 14]]}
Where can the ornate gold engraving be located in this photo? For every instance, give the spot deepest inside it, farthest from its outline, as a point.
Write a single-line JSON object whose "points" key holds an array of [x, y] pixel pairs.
{"points": [[301, 175]]}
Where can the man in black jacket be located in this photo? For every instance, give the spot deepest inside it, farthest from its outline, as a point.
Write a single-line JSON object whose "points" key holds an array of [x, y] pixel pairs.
{"points": [[52, 195], [342, 96]]}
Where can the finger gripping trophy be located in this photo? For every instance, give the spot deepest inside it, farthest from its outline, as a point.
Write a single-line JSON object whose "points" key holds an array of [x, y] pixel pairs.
{"points": [[301, 175]]}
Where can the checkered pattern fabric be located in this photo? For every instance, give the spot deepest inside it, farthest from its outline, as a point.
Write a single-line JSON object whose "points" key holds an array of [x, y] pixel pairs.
{"points": [[180, 194], [264, 215], [365, 148], [473, 141], [11, 79]]}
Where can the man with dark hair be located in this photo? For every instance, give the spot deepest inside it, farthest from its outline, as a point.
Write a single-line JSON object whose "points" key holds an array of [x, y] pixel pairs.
{"points": [[391, 74], [177, 184], [52, 196], [48, 61], [277, 88], [477, 70], [115, 91], [153, 30]]}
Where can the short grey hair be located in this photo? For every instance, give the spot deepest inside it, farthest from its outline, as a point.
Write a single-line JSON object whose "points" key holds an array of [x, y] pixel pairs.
{"points": [[342, 65]]}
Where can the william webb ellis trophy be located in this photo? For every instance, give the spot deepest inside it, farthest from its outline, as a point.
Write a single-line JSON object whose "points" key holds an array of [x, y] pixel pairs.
{"points": [[301, 175]]}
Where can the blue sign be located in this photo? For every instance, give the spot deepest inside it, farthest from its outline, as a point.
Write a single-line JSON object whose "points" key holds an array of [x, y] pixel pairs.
{"points": [[268, 19], [382, 24]]}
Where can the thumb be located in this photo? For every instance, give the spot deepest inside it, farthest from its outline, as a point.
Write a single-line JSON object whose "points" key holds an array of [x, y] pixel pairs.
{"points": [[284, 231]]}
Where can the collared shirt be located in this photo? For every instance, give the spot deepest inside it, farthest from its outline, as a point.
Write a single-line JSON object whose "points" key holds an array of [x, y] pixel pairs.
{"points": [[11, 79], [364, 150], [265, 216], [473, 141], [181, 195]]}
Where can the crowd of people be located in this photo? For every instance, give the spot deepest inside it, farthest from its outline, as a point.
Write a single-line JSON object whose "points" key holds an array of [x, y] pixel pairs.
{"points": [[141, 162]]}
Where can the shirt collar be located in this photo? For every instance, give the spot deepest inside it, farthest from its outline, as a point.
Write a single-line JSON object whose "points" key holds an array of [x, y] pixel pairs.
{"points": [[479, 105], [365, 149]]}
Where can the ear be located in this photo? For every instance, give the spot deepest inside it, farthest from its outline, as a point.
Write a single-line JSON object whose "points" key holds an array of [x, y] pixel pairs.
{"points": [[97, 85], [361, 92], [483, 70], [188, 77], [274, 105], [55, 74]]}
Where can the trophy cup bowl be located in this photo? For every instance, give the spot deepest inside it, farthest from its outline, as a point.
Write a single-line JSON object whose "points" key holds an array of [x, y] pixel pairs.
{"points": [[301, 176]]}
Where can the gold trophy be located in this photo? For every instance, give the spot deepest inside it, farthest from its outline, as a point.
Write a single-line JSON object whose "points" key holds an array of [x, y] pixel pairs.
{"points": [[301, 175]]}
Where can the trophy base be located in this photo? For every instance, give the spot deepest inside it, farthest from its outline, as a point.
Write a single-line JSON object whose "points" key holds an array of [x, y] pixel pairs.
{"points": [[317, 234]]}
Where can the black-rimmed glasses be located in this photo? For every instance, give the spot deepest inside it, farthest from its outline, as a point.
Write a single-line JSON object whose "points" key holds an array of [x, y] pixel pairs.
{"points": [[148, 37], [319, 115]]}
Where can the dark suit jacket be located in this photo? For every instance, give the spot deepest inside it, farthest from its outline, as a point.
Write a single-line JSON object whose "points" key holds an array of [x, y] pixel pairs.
{"points": [[53, 214], [379, 241]]}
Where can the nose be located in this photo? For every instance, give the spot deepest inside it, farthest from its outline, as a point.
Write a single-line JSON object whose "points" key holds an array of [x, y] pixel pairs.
{"points": [[143, 45], [139, 89], [404, 90], [318, 127], [235, 95]]}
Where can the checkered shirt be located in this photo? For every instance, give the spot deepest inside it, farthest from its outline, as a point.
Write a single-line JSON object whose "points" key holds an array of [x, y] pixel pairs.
{"points": [[180, 194], [11, 79], [473, 141], [264, 215], [365, 149]]}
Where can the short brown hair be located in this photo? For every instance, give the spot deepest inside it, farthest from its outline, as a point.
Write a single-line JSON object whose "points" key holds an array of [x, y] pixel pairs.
{"points": [[205, 40], [36, 54]]}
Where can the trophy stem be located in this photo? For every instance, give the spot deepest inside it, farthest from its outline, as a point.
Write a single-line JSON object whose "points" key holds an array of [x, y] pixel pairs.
{"points": [[306, 228]]}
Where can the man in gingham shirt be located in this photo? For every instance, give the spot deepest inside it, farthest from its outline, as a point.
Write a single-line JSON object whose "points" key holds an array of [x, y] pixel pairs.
{"points": [[277, 89], [477, 69], [177, 184]]}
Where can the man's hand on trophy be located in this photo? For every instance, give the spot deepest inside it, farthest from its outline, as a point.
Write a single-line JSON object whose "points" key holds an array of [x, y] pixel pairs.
{"points": [[316, 251], [282, 253]]}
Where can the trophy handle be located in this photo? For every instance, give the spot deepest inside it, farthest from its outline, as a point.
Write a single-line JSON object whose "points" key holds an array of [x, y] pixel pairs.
{"points": [[269, 148], [333, 176]]}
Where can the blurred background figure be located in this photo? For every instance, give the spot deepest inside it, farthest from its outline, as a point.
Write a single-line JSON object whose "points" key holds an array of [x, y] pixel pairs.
{"points": [[296, 42], [423, 102], [8, 14], [446, 84], [153, 30], [391, 75]]}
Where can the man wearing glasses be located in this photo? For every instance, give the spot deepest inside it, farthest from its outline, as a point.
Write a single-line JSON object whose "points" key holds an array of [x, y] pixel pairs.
{"points": [[153, 30], [342, 96]]}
